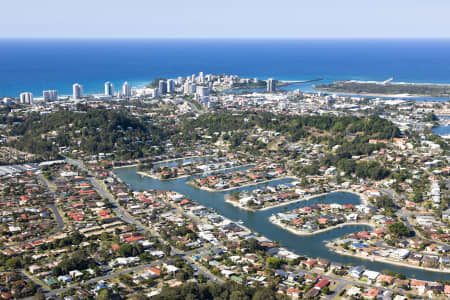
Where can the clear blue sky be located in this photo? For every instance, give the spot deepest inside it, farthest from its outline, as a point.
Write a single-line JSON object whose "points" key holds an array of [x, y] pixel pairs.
{"points": [[225, 18]]}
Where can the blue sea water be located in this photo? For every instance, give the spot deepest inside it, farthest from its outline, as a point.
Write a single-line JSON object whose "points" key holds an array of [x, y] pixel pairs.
{"points": [[35, 65]]}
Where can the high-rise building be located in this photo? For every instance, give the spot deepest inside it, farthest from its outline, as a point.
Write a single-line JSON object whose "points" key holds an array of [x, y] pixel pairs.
{"points": [[187, 87], [109, 89], [50, 95], [171, 86], [126, 89], [163, 87], [77, 91], [200, 77], [26, 98], [7, 101], [46, 96], [271, 85], [156, 93], [202, 91], [193, 88]]}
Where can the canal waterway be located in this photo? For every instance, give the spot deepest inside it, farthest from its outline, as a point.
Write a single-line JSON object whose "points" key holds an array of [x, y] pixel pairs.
{"points": [[312, 246]]}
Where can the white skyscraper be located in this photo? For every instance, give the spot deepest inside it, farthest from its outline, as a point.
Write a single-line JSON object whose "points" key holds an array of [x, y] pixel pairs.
{"points": [[202, 91], [170, 86], [271, 85], [126, 89], [187, 87], [50, 95], [109, 89], [77, 91], [26, 98]]}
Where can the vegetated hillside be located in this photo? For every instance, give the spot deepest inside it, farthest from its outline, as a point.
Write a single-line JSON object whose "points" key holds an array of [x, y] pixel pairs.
{"points": [[295, 127], [350, 134], [94, 131]]}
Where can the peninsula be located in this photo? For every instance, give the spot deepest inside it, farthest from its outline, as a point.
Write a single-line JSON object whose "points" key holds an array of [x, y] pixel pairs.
{"points": [[386, 88]]}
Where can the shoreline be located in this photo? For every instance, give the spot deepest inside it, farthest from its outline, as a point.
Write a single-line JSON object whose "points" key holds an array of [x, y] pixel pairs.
{"points": [[378, 95], [305, 233], [329, 89], [162, 161], [385, 261], [238, 187], [143, 173], [296, 251], [362, 197]]}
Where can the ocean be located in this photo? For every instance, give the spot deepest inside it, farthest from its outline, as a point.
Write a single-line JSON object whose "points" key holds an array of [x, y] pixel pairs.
{"points": [[36, 65]]}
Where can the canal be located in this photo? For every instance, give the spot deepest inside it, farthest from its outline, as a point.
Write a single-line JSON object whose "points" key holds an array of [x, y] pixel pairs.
{"points": [[312, 246]]}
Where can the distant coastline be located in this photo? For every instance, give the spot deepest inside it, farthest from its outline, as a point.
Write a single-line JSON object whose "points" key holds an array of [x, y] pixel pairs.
{"points": [[386, 89], [57, 64]]}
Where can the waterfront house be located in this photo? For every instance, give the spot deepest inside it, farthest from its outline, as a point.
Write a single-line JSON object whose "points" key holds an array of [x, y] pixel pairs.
{"points": [[356, 272], [310, 263], [371, 275], [401, 283], [323, 264], [385, 279]]}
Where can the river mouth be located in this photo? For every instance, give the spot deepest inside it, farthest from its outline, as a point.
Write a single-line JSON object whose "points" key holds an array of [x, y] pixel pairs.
{"points": [[258, 221]]}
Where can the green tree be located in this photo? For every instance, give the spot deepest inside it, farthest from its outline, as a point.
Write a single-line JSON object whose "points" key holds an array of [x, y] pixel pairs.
{"points": [[399, 229], [104, 294], [274, 262]]}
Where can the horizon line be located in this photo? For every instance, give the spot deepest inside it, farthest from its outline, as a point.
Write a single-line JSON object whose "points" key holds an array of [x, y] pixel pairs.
{"points": [[223, 38]]}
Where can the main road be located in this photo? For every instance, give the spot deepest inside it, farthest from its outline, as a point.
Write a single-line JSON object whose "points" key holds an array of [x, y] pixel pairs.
{"points": [[97, 279], [125, 216], [58, 219]]}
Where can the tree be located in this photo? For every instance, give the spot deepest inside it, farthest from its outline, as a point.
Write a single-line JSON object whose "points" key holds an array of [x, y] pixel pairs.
{"points": [[251, 244], [167, 250], [39, 296], [399, 229], [239, 295], [14, 263], [274, 262], [104, 294], [387, 203], [264, 294]]}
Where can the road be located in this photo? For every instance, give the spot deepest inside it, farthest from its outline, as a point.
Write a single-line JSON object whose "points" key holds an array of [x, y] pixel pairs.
{"points": [[59, 220], [195, 106], [105, 277], [404, 215], [125, 216], [342, 282]]}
